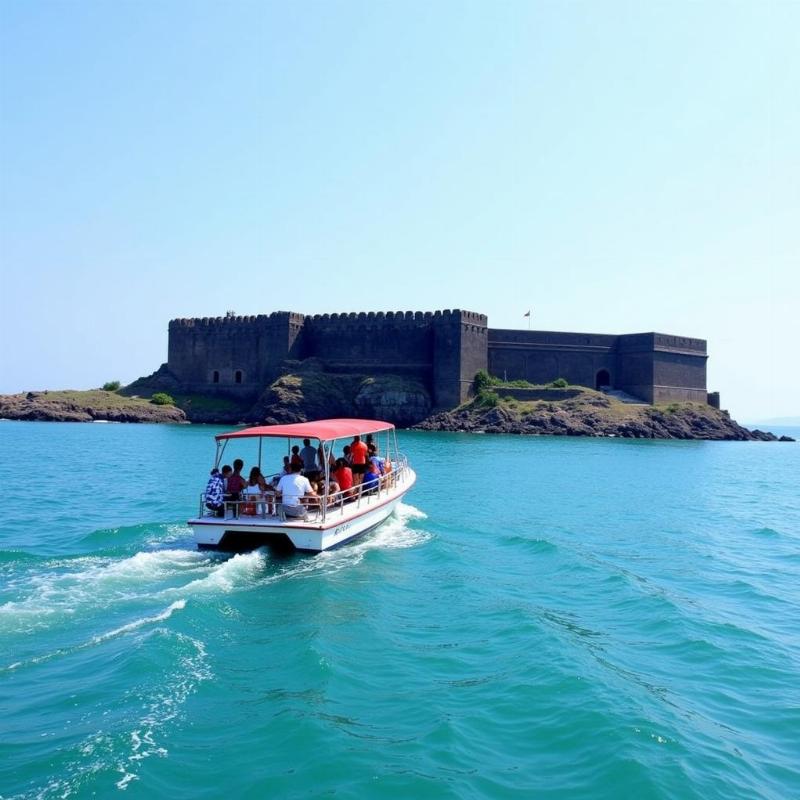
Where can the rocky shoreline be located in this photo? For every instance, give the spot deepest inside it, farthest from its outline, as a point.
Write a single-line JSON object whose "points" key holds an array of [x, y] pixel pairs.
{"points": [[593, 414], [84, 406], [314, 395]]}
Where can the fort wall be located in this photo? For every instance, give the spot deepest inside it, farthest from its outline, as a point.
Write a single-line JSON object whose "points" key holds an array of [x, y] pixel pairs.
{"points": [[543, 356], [240, 356], [393, 341]]}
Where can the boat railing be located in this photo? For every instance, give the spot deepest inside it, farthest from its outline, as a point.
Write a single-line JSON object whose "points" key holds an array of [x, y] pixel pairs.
{"points": [[339, 501], [267, 504]]}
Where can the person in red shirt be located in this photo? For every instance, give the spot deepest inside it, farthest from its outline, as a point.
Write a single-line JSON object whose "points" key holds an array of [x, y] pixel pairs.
{"points": [[296, 457], [236, 482], [344, 477], [358, 455], [234, 485]]}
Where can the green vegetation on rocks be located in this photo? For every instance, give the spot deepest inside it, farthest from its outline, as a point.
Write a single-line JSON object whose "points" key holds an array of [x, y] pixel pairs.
{"points": [[306, 391], [95, 405], [585, 412]]}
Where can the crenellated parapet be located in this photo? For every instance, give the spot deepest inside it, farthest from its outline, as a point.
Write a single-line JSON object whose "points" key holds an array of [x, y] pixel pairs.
{"points": [[230, 321], [399, 317]]}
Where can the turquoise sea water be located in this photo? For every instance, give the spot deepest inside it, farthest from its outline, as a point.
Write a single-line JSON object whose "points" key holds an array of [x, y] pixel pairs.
{"points": [[545, 617]]}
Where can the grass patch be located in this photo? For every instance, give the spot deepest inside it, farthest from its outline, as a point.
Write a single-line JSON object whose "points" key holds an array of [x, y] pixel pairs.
{"points": [[487, 399], [94, 398]]}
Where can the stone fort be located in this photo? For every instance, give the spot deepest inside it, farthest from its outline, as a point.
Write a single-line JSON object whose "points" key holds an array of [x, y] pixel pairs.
{"points": [[239, 356]]}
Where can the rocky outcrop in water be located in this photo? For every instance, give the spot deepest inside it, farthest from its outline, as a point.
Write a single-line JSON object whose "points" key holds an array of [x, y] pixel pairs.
{"points": [[306, 392], [85, 406], [593, 414]]}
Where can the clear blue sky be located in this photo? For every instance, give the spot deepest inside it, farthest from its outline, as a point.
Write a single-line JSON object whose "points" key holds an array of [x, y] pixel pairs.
{"points": [[616, 167]]}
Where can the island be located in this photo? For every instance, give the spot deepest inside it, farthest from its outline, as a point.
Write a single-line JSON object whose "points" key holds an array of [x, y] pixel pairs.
{"points": [[436, 371]]}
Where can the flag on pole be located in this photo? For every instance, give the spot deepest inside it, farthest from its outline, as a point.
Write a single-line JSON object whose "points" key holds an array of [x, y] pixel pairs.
{"points": [[527, 314]]}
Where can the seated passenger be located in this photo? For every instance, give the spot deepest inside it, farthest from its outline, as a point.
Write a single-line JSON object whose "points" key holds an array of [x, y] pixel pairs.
{"points": [[227, 496], [287, 466], [371, 480], [376, 460], [257, 479], [296, 457], [256, 486], [344, 477], [236, 482], [292, 489], [335, 498], [213, 495]]}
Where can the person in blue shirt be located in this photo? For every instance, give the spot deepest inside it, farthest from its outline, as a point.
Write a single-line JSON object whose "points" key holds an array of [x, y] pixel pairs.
{"points": [[309, 456], [372, 478], [375, 459]]}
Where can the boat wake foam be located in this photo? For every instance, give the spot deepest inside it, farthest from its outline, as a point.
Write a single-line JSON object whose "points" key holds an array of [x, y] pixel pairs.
{"points": [[65, 591], [101, 637], [132, 626], [241, 570], [61, 589]]}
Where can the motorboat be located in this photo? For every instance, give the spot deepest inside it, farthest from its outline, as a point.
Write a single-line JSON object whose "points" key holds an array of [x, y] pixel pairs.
{"points": [[327, 518]]}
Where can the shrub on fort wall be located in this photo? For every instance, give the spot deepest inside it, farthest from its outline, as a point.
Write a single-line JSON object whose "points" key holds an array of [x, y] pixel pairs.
{"points": [[162, 399], [483, 381], [112, 386], [558, 383]]}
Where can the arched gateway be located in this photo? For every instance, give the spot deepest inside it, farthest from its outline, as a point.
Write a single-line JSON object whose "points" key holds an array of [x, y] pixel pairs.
{"points": [[603, 380]]}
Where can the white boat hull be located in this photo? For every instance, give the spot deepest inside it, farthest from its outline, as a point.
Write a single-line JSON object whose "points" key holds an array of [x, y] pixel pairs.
{"points": [[341, 525]]}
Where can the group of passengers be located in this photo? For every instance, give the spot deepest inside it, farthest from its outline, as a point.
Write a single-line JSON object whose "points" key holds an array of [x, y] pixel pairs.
{"points": [[301, 484]]}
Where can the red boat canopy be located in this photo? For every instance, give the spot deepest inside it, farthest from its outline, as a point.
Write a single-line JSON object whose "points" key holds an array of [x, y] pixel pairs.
{"points": [[322, 429]]}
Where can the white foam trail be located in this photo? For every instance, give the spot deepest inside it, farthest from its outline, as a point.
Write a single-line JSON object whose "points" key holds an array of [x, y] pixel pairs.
{"points": [[102, 637], [231, 574], [70, 586], [64, 587], [393, 534], [405, 511], [132, 626]]}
